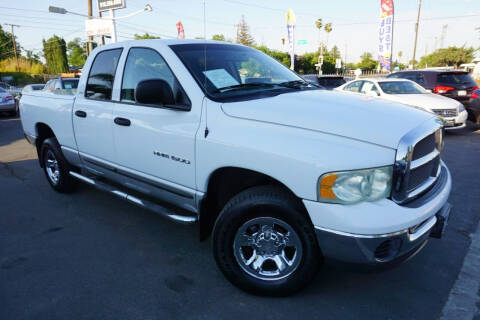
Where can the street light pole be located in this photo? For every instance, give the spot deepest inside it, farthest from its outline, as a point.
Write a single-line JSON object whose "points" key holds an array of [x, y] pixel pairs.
{"points": [[416, 33], [114, 31], [90, 39]]}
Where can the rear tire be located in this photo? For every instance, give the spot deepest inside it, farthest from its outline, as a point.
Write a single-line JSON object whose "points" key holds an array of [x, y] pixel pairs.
{"points": [[263, 242], [56, 167]]}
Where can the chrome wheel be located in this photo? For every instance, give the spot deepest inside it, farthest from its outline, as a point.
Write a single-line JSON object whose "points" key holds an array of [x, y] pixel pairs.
{"points": [[267, 248], [51, 166]]}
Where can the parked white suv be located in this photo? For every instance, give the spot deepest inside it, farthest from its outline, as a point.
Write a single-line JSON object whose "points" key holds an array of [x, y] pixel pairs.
{"points": [[283, 173], [452, 112]]}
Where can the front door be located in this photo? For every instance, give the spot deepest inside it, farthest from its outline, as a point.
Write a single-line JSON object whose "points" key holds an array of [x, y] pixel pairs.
{"points": [[155, 141]]}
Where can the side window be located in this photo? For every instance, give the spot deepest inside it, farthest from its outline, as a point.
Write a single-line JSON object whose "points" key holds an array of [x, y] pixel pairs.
{"points": [[143, 64], [354, 86], [58, 84], [419, 79], [369, 86], [102, 74]]}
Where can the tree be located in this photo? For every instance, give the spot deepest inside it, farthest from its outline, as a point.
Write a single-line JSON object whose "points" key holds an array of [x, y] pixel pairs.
{"points": [[367, 62], [218, 37], [400, 54], [146, 35], [243, 33], [55, 54], [32, 57], [6, 45], [328, 29], [451, 56], [76, 53]]}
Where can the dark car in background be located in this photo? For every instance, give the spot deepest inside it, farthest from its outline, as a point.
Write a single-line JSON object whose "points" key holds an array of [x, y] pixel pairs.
{"points": [[329, 82], [474, 106]]}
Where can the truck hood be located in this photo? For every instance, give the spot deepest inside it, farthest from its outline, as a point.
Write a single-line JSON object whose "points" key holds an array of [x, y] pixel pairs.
{"points": [[366, 119], [428, 101]]}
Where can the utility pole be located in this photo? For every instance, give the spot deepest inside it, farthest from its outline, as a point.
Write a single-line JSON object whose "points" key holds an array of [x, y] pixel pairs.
{"points": [[416, 33], [90, 39], [13, 41]]}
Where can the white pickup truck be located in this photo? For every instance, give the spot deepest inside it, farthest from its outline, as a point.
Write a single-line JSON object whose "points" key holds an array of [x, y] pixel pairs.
{"points": [[281, 173]]}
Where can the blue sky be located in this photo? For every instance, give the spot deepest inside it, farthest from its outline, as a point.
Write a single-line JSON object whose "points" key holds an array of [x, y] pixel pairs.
{"points": [[355, 22]]}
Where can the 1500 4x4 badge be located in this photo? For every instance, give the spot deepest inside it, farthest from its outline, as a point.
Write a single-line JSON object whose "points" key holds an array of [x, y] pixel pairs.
{"points": [[174, 158]]}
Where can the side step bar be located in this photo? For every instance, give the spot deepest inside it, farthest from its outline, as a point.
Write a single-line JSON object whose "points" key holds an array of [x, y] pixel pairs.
{"points": [[159, 209]]}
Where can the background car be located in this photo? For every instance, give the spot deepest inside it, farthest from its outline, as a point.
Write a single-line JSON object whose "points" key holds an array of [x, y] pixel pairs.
{"points": [[32, 87], [457, 85], [474, 107], [409, 93], [329, 82], [61, 83], [11, 89], [8, 102]]}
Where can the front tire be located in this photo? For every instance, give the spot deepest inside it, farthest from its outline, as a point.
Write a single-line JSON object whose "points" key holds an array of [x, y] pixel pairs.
{"points": [[56, 167], [264, 243]]}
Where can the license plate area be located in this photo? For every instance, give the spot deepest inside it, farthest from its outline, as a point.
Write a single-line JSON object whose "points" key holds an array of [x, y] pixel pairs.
{"points": [[442, 220], [462, 92]]}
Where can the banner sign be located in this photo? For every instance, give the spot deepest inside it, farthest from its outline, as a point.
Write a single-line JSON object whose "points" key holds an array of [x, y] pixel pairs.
{"points": [[181, 32], [291, 36], [302, 42], [386, 34], [98, 27], [105, 5]]}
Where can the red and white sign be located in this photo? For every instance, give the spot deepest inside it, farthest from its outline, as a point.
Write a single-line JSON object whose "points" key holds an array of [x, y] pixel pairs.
{"points": [[98, 27], [181, 32]]}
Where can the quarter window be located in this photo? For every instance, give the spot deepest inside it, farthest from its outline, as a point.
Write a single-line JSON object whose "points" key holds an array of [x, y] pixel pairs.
{"points": [[143, 64], [102, 75]]}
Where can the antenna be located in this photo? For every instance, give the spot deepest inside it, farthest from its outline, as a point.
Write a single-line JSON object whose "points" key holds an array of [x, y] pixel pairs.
{"points": [[205, 65]]}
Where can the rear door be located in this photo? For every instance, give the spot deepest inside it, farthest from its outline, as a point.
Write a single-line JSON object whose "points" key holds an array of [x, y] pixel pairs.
{"points": [[92, 111]]}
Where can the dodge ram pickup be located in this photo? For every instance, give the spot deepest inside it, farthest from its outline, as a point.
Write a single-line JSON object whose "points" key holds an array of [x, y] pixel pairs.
{"points": [[279, 173]]}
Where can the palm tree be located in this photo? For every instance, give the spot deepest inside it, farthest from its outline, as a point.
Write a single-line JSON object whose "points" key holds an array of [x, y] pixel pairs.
{"points": [[400, 54], [328, 29], [319, 26]]}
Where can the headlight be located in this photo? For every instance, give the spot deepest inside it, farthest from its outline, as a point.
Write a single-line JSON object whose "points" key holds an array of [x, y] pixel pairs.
{"points": [[461, 108], [347, 187]]}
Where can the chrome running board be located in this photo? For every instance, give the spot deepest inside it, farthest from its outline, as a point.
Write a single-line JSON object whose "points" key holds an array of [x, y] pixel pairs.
{"points": [[149, 205]]}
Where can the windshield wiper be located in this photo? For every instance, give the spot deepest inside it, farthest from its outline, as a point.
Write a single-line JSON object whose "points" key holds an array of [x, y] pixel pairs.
{"points": [[295, 84], [244, 85]]}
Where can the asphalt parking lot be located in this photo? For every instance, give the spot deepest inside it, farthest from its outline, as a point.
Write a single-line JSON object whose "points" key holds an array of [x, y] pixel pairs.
{"points": [[91, 256]]}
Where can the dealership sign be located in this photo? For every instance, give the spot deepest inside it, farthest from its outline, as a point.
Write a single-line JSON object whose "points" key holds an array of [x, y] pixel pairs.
{"points": [[105, 5], [98, 27], [386, 34]]}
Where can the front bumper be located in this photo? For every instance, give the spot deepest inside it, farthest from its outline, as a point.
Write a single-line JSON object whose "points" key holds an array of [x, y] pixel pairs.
{"points": [[415, 221], [458, 122]]}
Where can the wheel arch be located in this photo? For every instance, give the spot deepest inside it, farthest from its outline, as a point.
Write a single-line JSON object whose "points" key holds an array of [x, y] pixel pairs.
{"points": [[43, 132], [226, 182]]}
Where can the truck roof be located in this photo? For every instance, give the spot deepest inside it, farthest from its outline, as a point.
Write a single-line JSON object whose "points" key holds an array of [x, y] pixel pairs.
{"points": [[162, 42]]}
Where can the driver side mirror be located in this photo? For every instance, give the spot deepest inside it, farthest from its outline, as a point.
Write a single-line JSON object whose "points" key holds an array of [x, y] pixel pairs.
{"points": [[372, 94], [157, 92]]}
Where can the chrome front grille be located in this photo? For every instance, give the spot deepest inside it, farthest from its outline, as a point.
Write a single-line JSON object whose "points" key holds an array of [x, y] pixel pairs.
{"points": [[446, 112], [417, 164]]}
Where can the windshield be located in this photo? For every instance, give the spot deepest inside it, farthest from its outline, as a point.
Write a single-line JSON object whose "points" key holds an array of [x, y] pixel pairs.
{"points": [[401, 87], [233, 71]]}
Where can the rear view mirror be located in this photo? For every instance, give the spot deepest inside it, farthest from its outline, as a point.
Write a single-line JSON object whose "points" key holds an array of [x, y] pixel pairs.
{"points": [[154, 91]]}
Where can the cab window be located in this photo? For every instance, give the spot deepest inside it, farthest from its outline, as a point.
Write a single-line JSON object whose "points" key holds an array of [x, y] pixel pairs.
{"points": [[143, 64], [102, 74]]}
